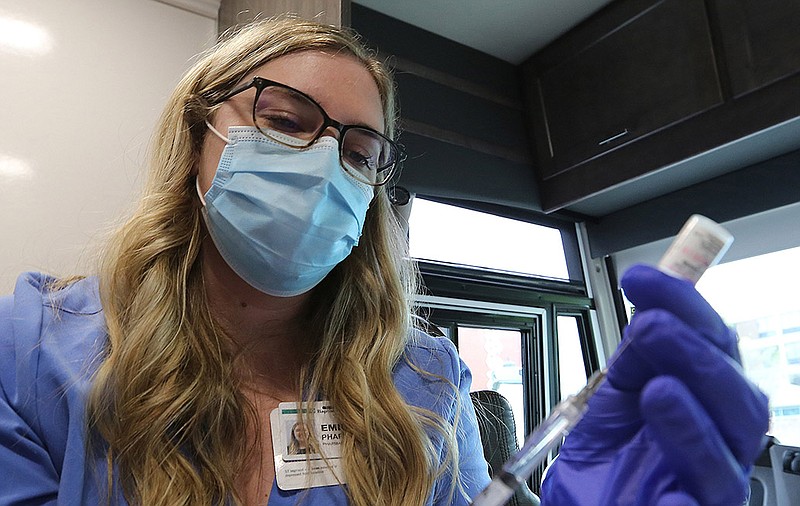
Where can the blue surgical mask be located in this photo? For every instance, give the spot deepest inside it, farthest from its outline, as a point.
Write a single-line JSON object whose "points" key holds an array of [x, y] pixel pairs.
{"points": [[283, 218]]}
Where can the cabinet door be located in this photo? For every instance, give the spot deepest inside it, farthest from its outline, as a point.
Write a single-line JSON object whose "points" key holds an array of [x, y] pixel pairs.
{"points": [[647, 72], [760, 41]]}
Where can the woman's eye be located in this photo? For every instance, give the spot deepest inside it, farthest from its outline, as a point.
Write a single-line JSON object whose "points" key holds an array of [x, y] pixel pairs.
{"points": [[362, 160], [282, 121]]}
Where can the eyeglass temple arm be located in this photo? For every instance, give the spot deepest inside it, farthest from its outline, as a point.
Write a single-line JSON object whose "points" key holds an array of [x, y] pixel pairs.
{"points": [[235, 91]]}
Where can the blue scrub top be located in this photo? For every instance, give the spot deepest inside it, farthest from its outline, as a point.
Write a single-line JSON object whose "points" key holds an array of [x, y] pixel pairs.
{"points": [[50, 345]]}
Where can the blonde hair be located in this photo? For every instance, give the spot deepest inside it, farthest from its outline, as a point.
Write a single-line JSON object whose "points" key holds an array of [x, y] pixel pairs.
{"points": [[165, 401]]}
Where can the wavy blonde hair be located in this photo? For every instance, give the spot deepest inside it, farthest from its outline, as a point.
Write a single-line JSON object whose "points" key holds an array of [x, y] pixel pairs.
{"points": [[166, 401]]}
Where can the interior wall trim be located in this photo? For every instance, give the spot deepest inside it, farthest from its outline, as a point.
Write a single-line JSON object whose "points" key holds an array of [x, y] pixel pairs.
{"points": [[206, 8], [511, 153], [449, 80], [755, 189]]}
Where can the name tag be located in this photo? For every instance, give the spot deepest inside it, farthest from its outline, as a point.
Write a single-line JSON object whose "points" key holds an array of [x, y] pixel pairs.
{"points": [[299, 461]]}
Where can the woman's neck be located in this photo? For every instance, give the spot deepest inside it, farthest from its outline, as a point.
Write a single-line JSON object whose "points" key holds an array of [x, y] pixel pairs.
{"points": [[270, 333]]}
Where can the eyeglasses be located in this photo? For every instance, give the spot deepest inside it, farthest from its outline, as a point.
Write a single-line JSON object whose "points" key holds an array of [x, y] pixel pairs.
{"points": [[294, 119]]}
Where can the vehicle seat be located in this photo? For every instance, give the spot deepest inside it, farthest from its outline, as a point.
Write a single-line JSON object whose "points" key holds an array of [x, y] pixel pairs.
{"points": [[499, 438], [775, 479], [786, 472]]}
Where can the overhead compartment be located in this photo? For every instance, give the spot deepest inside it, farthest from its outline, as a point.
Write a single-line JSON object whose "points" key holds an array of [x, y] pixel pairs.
{"points": [[644, 85], [760, 41], [653, 70]]}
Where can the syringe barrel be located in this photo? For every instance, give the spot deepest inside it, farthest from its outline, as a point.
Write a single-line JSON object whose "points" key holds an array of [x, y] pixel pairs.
{"points": [[538, 444], [546, 437]]}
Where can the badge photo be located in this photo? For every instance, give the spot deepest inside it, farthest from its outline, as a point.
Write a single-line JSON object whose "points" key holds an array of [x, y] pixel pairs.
{"points": [[306, 451]]}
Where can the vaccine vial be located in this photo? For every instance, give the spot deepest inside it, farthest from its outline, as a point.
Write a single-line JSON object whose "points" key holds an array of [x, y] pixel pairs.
{"points": [[699, 245]]}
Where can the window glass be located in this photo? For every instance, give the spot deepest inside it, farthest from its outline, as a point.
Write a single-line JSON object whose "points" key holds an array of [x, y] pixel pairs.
{"points": [[759, 296], [495, 358], [571, 366], [446, 233]]}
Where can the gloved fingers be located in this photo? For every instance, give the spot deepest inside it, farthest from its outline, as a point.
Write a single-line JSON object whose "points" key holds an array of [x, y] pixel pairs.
{"points": [[612, 413], [661, 344], [692, 445], [647, 288], [676, 499]]}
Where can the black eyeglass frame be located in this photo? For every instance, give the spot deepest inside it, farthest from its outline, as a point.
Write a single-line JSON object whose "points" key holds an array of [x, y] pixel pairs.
{"points": [[260, 83]]}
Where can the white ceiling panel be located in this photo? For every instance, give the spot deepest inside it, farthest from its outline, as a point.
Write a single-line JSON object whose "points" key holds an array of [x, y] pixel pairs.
{"points": [[511, 30]]}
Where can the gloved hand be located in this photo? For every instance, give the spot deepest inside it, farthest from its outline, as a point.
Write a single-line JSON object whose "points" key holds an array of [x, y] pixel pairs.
{"points": [[676, 422]]}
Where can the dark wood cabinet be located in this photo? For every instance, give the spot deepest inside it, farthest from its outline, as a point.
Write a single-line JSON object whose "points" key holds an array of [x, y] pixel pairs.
{"points": [[759, 39], [645, 84], [655, 69]]}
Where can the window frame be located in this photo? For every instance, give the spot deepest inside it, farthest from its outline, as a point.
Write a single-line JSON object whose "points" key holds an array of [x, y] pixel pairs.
{"points": [[532, 325], [590, 355], [472, 297]]}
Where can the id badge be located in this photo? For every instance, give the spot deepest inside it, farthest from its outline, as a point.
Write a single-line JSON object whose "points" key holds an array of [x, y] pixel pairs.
{"points": [[299, 463]]}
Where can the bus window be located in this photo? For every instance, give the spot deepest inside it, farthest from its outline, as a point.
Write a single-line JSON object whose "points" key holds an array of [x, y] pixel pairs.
{"points": [[452, 234], [758, 296], [495, 358], [571, 364], [493, 286]]}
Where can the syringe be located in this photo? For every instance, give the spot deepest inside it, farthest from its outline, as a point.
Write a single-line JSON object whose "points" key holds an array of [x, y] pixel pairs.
{"points": [[699, 245], [544, 438]]}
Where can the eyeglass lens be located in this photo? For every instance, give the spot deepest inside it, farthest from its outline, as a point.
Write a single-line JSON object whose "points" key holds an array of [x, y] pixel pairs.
{"points": [[292, 119]]}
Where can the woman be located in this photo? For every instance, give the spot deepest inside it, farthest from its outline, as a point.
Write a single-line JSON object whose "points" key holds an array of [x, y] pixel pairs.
{"points": [[298, 445], [261, 275], [218, 306]]}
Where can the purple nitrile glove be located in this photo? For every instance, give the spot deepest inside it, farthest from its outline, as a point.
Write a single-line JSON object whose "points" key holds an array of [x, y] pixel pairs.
{"points": [[676, 423]]}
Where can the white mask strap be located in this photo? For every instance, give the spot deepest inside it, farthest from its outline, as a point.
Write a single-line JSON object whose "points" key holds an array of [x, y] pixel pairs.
{"points": [[199, 191], [216, 132]]}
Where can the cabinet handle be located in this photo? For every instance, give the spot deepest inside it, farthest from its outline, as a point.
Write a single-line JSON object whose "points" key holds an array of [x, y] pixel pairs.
{"points": [[613, 137]]}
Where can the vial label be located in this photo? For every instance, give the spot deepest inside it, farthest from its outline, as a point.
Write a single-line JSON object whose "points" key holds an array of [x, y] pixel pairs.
{"points": [[699, 245]]}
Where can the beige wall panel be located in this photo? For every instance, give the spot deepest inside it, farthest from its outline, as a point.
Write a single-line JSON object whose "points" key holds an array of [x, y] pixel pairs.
{"points": [[83, 83], [329, 12]]}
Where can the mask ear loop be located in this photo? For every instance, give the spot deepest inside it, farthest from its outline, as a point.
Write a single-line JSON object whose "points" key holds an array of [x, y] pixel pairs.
{"points": [[199, 191], [217, 133], [197, 178]]}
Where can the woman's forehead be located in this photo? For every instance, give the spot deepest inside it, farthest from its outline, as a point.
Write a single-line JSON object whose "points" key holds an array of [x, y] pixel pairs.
{"points": [[339, 82]]}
